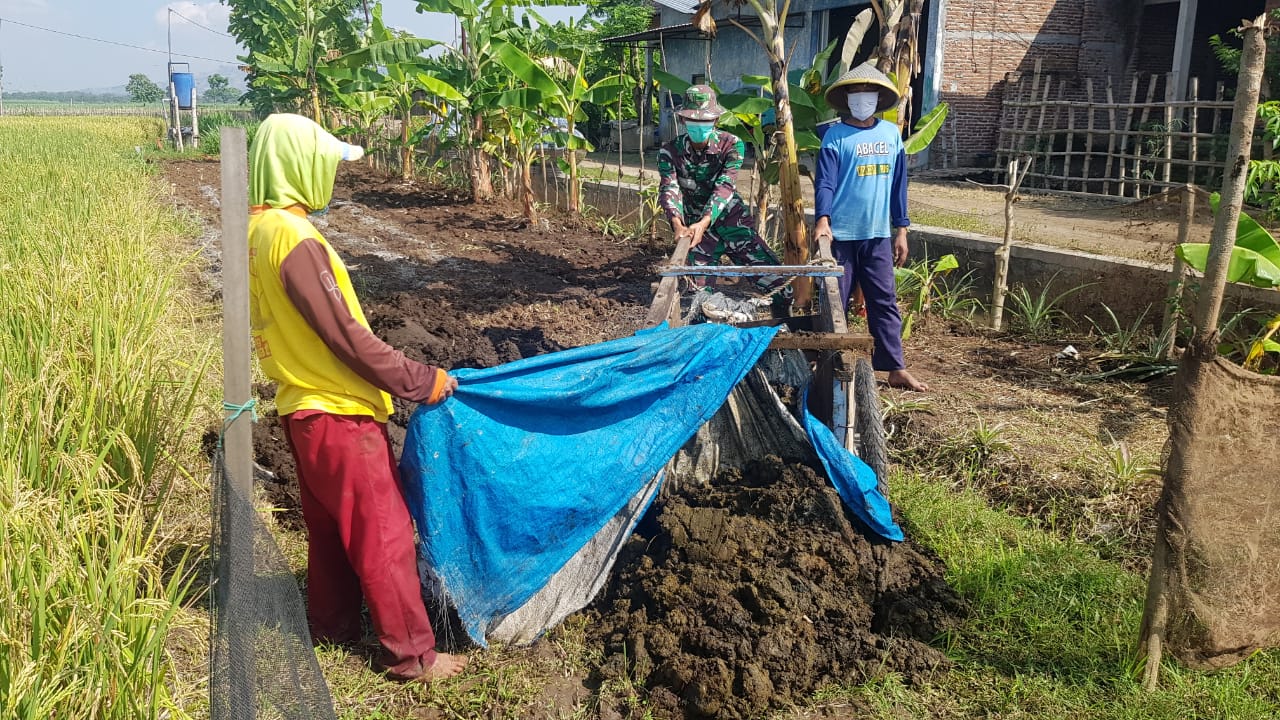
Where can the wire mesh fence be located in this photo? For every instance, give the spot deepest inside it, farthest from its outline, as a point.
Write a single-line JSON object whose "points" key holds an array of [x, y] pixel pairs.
{"points": [[262, 663]]}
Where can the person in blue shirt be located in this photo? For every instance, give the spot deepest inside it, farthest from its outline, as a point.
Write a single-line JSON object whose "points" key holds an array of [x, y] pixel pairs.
{"points": [[861, 205]]}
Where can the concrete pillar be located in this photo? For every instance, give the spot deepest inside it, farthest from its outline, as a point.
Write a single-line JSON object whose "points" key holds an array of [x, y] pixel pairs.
{"points": [[1181, 69]]}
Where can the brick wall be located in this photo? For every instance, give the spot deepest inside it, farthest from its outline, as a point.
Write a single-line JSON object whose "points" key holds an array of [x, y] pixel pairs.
{"points": [[988, 41]]}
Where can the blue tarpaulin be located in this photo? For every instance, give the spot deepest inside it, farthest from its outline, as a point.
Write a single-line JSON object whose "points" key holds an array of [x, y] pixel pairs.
{"points": [[515, 473]]}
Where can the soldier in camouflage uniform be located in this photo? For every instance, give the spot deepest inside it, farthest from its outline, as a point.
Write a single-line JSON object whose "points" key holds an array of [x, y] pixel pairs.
{"points": [[698, 194]]}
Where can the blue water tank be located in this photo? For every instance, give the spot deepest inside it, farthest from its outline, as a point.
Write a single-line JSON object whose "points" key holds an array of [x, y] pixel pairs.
{"points": [[184, 84]]}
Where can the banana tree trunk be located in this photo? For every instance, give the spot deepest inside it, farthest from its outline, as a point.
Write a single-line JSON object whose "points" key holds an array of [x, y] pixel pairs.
{"points": [[406, 151], [526, 184], [481, 181], [575, 197], [796, 249]]}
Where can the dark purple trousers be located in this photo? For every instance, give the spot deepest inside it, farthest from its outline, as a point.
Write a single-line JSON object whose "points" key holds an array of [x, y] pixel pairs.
{"points": [[870, 264]]}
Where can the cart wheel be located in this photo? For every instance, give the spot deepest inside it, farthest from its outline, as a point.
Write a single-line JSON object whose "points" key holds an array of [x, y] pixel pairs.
{"points": [[869, 423]]}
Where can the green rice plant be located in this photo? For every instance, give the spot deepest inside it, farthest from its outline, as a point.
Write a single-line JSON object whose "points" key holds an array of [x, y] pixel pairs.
{"points": [[101, 379], [1038, 316]]}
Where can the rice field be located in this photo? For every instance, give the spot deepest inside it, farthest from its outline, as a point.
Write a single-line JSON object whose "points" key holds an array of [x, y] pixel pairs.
{"points": [[105, 370]]}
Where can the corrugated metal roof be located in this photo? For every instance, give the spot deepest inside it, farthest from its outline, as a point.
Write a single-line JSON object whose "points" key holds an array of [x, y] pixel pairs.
{"points": [[685, 31], [685, 6]]}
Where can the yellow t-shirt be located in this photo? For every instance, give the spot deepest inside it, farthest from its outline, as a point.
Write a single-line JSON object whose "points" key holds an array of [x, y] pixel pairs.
{"points": [[309, 375]]}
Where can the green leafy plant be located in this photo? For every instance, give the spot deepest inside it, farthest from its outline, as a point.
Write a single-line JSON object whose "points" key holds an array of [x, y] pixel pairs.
{"points": [[953, 297], [1122, 469], [1038, 315], [1255, 260], [916, 283]]}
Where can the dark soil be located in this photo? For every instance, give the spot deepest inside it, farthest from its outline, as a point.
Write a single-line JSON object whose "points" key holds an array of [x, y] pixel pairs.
{"points": [[755, 590], [743, 595]]}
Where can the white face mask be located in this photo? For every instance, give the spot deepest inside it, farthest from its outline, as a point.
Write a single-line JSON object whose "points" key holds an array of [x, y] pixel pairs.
{"points": [[862, 105]]}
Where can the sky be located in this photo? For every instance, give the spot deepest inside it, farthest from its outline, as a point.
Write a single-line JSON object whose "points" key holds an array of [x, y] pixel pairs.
{"points": [[39, 60]]}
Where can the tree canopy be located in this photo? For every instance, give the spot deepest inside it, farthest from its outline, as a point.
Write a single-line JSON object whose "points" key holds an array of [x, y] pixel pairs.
{"points": [[143, 89]]}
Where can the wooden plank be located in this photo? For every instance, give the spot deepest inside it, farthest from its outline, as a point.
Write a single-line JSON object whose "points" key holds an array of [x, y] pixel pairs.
{"points": [[666, 302], [822, 341], [752, 270], [832, 318]]}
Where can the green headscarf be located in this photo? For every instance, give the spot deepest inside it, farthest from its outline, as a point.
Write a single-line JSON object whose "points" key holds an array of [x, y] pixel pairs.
{"points": [[293, 161]]}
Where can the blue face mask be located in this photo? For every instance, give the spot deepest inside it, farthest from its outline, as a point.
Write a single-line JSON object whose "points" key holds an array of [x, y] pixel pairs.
{"points": [[700, 132]]}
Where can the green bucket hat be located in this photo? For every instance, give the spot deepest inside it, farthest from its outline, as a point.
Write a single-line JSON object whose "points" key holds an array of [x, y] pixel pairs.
{"points": [[864, 73], [700, 104]]}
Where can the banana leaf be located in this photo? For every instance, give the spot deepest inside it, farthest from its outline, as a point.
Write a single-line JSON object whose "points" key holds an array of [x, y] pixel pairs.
{"points": [[1255, 259], [1250, 234], [667, 81], [1247, 266], [926, 129]]}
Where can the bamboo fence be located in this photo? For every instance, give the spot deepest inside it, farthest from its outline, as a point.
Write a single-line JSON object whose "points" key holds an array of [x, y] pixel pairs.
{"points": [[1097, 136]]}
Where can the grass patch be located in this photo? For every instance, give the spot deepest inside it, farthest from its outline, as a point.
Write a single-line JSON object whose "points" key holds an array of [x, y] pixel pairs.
{"points": [[103, 371], [1052, 632], [952, 220]]}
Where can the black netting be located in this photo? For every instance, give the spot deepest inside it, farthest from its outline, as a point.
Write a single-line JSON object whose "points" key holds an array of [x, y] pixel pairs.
{"points": [[262, 664]]}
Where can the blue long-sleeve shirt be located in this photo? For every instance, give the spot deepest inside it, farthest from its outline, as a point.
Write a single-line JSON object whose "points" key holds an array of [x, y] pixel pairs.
{"points": [[862, 181]]}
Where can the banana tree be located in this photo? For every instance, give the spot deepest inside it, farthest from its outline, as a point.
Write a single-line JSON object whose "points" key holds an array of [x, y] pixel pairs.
{"points": [[771, 38], [287, 43], [389, 65], [473, 71], [1255, 260], [564, 92]]}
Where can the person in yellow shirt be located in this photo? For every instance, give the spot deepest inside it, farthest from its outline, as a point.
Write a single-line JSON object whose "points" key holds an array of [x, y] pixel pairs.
{"points": [[335, 380]]}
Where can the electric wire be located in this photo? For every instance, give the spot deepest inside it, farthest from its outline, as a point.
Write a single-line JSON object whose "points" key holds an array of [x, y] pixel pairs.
{"points": [[114, 42], [203, 27]]}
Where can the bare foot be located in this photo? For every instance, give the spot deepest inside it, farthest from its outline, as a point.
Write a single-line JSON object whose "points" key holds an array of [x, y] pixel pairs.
{"points": [[904, 379], [445, 666]]}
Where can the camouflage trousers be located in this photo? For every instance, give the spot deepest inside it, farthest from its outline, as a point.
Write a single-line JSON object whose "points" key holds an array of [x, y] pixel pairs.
{"points": [[734, 234]]}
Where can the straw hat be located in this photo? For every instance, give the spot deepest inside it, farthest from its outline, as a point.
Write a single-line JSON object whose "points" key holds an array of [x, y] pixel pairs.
{"points": [[864, 73]]}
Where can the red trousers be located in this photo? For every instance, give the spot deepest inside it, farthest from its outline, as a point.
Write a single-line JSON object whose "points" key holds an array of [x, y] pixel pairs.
{"points": [[360, 539]]}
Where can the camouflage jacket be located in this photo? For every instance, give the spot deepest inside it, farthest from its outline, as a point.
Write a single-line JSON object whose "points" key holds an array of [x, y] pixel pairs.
{"points": [[697, 184]]}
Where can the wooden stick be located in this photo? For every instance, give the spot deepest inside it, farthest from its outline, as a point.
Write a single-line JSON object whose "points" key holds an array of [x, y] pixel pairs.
{"points": [[1146, 113], [1124, 139], [1177, 278], [1071, 135], [1048, 81], [1193, 125], [1111, 139], [752, 270], [1221, 90], [1000, 288], [1088, 136], [1168, 126]]}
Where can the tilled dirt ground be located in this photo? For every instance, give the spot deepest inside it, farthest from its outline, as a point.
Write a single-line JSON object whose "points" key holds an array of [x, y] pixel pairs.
{"points": [[751, 592], [756, 589]]}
